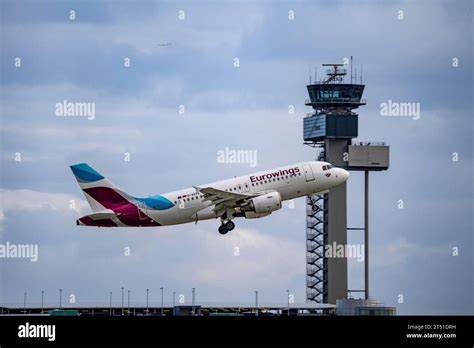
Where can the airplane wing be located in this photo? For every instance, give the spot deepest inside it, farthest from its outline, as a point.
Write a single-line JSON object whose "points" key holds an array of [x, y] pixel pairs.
{"points": [[222, 199]]}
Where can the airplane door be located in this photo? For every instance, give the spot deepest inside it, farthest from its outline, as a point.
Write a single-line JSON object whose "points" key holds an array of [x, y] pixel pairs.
{"points": [[308, 172], [239, 188], [246, 187]]}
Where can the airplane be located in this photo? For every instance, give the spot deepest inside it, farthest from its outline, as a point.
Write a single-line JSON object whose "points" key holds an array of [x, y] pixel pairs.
{"points": [[249, 196]]}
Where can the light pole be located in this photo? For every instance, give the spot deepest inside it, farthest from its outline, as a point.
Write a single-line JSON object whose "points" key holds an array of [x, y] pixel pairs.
{"points": [[256, 303], [147, 311], [288, 291], [161, 301], [42, 300], [122, 300], [110, 304], [193, 291], [128, 303], [60, 298]]}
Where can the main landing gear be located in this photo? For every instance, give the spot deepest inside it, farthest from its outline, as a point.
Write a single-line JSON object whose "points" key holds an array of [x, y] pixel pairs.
{"points": [[226, 227]]}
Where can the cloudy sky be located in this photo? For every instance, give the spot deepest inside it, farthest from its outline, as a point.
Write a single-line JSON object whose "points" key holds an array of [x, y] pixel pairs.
{"points": [[407, 56]]}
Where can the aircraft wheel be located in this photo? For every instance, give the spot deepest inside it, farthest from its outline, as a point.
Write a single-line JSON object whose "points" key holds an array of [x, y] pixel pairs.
{"points": [[223, 229], [229, 225]]}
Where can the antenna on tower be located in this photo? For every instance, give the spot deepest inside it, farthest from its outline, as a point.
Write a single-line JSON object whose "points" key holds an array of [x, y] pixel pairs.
{"points": [[361, 74], [355, 76], [316, 74], [351, 69], [309, 74]]}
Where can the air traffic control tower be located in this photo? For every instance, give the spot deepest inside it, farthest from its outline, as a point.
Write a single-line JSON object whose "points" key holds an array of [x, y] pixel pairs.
{"points": [[331, 128]]}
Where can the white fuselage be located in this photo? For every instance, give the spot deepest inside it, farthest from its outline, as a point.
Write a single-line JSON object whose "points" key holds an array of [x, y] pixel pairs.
{"points": [[291, 182]]}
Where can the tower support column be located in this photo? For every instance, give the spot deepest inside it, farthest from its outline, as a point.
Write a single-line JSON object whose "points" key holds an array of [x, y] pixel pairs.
{"points": [[336, 226], [366, 234]]}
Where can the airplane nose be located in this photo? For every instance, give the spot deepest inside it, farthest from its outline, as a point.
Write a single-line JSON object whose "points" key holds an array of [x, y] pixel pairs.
{"points": [[345, 174], [342, 175]]}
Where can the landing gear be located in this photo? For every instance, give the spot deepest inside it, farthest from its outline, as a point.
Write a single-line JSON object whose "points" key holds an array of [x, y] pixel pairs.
{"points": [[229, 225], [223, 229], [226, 227]]}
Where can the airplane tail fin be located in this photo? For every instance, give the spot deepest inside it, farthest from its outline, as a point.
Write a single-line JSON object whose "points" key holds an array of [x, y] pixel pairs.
{"points": [[100, 192]]}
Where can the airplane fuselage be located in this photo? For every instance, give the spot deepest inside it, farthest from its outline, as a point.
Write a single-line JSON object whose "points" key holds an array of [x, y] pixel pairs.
{"points": [[250, 196], [291, 182]]}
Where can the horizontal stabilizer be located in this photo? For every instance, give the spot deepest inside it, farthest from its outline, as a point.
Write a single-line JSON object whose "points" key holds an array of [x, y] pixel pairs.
{"points": [[103, 214]]}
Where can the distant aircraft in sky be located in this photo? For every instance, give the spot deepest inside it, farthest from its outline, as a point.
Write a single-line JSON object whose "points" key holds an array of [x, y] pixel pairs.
{"points": [[250, 196], [165, 44]]}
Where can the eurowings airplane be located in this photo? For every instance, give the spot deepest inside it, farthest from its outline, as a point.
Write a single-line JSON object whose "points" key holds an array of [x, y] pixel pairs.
{"points": [[250, 196]]}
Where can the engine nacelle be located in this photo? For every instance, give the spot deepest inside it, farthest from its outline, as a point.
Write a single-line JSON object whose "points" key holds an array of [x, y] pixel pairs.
{"points": [[263, 204]]}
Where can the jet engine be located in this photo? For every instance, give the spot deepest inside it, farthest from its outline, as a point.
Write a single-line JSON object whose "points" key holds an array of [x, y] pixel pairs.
{"points": [[264, 204]]}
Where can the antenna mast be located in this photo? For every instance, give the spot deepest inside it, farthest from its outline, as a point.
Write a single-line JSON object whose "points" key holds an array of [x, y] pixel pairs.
{"points": [[351, 69]]}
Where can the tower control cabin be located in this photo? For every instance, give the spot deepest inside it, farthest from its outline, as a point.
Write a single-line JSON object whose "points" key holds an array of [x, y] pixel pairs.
{"points": [[331, 128]]}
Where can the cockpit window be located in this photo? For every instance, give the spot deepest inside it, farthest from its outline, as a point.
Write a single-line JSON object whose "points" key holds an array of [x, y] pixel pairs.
{"points": [[327, 167]]}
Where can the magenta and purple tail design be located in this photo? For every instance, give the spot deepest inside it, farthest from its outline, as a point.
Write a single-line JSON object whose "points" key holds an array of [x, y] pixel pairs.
{"points": [[113, 207]]}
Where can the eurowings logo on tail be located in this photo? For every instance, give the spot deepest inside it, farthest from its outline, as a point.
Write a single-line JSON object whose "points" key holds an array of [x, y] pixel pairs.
{"points": [[112, 206]]}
